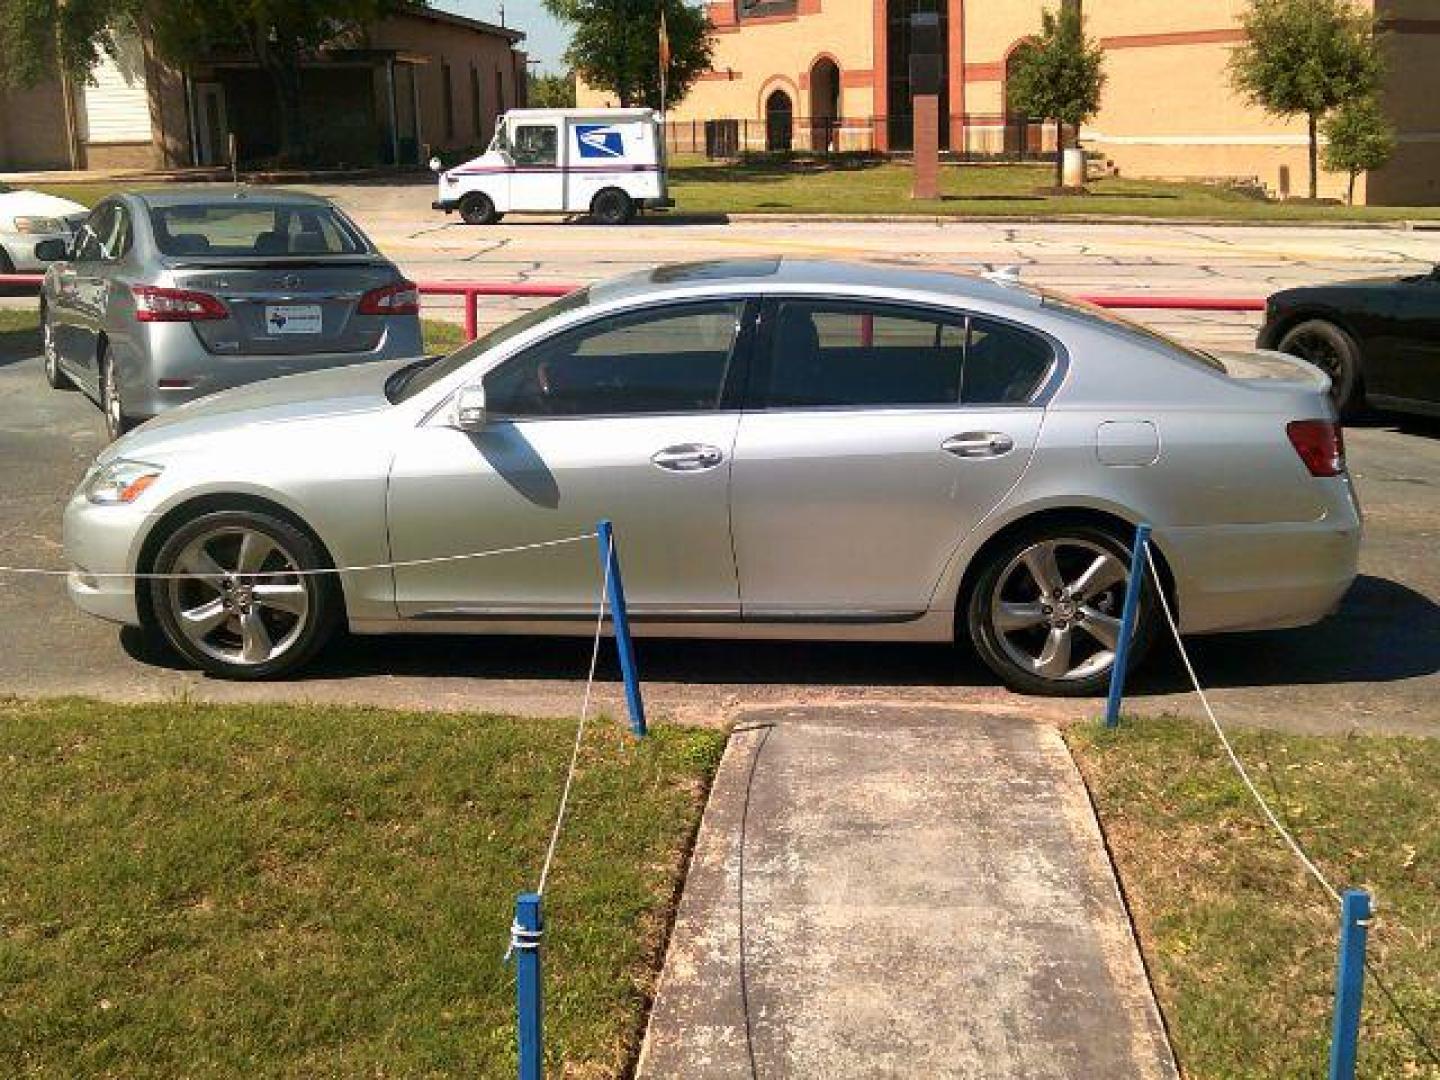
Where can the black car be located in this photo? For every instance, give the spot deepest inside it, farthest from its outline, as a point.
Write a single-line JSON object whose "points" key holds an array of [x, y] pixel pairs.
{"points": [[1377, 339]]}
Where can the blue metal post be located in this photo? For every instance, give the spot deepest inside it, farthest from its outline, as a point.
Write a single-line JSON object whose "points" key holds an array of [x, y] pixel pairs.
{"points": [[1127, 624], [610, 551], [1349, 983], [525, 940]]}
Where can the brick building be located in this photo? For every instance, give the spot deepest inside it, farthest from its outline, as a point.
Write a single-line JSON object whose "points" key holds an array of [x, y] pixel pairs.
{"points": [[812, 74], [389, 94]]}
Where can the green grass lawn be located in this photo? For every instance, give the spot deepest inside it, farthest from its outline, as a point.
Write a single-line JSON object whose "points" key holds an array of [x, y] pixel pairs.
{"points": [[871, 186], [1240, 942], [324, 892], [860, 185]]}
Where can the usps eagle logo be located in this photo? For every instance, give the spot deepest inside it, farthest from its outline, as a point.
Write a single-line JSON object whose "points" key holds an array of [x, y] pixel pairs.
{"points": [[599, 141]]}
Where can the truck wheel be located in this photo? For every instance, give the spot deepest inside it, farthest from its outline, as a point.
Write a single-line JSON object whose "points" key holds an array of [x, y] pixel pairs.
{"points": [[612, 207], [477, 209]]}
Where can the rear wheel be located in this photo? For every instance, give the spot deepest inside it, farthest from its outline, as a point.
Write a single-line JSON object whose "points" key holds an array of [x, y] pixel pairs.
{"points": [[57, 378], [477, 208], [248, 613], [1044, 613], [112, 402], [612, 207], [1334, 352]]}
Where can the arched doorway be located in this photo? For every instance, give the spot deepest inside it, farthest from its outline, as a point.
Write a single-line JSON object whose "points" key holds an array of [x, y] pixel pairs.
{"points": [[779, 121], [824, 105], [1021, 137]]}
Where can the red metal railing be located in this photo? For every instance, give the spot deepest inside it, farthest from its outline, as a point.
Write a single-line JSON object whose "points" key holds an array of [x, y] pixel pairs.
{"points": [[471, 291]]}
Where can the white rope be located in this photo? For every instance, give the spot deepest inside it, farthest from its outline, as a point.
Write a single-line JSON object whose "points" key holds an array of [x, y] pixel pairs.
{"points": [[1225, 741], [237, 575], [579, 727]]}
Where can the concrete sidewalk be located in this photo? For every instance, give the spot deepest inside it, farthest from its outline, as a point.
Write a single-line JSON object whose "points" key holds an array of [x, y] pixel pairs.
{"points": [[901, 892]]}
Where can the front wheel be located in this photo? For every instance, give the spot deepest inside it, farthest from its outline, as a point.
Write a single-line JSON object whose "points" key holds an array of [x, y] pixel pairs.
{"points": [[612, 207], [1334, 352], [477, 208], [249, 611], [1044, 613]]}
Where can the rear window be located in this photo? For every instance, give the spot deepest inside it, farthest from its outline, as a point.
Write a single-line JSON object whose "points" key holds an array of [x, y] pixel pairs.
{"points": [[237, 229]]}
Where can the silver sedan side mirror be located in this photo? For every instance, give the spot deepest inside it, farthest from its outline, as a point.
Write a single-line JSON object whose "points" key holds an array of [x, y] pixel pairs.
{"points": [[469, 409]]}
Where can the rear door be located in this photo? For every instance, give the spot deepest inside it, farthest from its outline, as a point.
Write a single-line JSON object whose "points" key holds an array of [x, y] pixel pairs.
{"points": [[875, 437], [293, 277], [1415, 370]]}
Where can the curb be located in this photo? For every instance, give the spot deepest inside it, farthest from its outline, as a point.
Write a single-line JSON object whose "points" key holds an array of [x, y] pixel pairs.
{"points": [[801, 217]]}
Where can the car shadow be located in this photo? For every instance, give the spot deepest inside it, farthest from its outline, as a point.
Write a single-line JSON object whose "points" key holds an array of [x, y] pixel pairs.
{"points": [[19, 346], [1383, 632]]}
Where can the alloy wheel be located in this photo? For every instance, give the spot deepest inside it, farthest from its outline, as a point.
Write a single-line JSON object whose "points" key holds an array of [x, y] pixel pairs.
{"points": [[1056, 608], [246, 605]]}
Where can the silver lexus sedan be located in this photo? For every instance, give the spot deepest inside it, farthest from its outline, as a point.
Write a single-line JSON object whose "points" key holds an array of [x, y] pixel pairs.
{"points": [[164, 297], [788, 449]]}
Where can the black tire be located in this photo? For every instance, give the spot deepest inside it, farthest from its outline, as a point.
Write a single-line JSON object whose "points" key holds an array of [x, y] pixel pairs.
{"points": [[1335, 352], [50, 354], [112, 399], [477, 208], [1002, 578], [295, 637], [6, 266], [612, 207]]}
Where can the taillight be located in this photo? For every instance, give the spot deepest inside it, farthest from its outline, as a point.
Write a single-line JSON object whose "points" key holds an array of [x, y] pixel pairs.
{"points": [[401, 298], [154, 304], [1320, 444]]}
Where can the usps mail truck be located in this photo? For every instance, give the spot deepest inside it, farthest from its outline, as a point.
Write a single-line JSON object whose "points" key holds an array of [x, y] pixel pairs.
{"points": [[608, 163]]}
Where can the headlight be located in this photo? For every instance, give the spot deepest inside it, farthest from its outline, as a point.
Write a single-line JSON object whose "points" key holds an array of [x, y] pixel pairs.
{"points": [[120, 482], [39, 226]]}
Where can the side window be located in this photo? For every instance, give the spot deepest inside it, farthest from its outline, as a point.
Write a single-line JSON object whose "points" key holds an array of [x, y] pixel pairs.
{"points": [[1004, 365], [89, 242], [535, 144], [672, 360], [838, 354]]}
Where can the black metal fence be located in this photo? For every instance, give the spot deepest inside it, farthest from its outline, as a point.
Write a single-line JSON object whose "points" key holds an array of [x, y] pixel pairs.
{"points": [[967, 137]]}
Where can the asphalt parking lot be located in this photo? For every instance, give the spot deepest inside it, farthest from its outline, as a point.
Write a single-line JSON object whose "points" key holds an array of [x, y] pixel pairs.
{"points": [[1372, 666]]}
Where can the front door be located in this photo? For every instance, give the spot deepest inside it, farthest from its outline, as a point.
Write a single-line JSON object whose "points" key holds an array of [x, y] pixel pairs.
{"points": [[629, 417], [880, 435], [536, 182]]}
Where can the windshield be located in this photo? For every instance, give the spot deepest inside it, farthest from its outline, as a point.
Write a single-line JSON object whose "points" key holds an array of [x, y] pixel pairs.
{"points": [[1093, 313], [428, 374], [238, 229]]}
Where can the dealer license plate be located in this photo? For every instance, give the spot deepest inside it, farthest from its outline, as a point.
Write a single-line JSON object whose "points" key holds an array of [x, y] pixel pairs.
{"points": [[293, 319]]}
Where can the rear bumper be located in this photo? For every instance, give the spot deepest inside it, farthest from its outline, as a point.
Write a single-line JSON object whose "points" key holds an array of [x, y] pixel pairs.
{"points": [[171, 354], [662, 203], [1262, 577]]}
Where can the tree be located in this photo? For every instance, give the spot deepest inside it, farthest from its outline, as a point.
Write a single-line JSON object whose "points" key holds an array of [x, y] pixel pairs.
{"points": [[37, 36], [616, 46], [1058, 76], [1358, 137], [550, 91], [1306, 58]]}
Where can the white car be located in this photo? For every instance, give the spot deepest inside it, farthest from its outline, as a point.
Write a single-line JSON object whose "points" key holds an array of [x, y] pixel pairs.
{"points": [[27, 218]]}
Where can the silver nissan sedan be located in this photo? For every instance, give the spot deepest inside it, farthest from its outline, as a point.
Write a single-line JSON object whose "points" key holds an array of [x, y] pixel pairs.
{"points": [[164, 297], [788, 449]]}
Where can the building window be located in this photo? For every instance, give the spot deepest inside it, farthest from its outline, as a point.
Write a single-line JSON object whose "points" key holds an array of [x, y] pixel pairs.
{"points": [[758, 9], [477, 106], [447, 96], [499, 91]]}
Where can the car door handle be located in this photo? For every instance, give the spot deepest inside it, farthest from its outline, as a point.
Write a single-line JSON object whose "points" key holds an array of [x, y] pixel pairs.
{"points": [[688, 457], [978, 444]]}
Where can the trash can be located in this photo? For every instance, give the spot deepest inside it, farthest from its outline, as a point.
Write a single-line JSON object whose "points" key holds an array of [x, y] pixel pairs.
{"points": [[1072, 168]]}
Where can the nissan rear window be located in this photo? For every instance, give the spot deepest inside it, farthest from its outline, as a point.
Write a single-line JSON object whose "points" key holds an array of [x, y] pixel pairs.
{"points": [[240, 230]]}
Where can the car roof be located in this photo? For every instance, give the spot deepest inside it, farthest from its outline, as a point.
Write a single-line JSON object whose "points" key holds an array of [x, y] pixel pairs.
{"points": [[209, 194], [779, 273]]}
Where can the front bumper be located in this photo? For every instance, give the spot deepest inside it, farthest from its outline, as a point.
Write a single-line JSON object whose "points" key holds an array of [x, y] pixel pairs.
{"points": [[662, 203], [448, 205], [103, 540]]}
